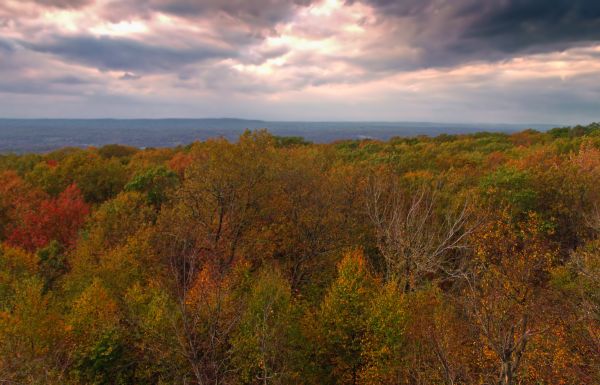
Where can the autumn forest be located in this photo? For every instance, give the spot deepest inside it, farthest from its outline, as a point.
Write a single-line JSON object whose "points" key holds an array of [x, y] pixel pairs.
{"points": [[455, 259]]}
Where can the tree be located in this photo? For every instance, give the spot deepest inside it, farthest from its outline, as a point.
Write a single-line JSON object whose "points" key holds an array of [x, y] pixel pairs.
{"points": [[206, 314], [505, 291], [314, 213], [412, 237], [266, 343], [116, 151], [98, 178], [575, 337], [99, 357], [16, 199], [342, 321], [156, 183], [53, 263], [33, 345], [222, 196], [384, 343], [55, 219], [509, 187]]}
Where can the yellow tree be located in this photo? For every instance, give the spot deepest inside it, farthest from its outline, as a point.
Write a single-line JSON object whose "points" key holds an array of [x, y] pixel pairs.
{"points": [[202, 234], [313, 213], [34, 342], [504, 295], [384, 343]]}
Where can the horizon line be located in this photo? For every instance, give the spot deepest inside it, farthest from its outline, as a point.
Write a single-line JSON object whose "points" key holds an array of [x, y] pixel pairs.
{"points": [[300, 121]]}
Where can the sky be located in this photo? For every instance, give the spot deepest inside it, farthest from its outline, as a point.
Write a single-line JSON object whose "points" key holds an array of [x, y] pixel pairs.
{"points": [[488, 61]]}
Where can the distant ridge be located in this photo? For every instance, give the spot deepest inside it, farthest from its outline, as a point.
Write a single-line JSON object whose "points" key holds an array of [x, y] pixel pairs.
{"points": [[40, 135]]}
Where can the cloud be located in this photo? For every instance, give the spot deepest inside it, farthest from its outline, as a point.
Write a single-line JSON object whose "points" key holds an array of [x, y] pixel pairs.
{"points": [[447, 33], [547, 24], [130, 76], [70, 80], [47, 85], [258, 14], [6, 46], [264, 13], [124, 54], [303, 59], [62, 3]]}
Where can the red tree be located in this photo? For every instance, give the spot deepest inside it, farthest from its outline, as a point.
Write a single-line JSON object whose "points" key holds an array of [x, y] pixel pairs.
{"points": [[55, 219]]}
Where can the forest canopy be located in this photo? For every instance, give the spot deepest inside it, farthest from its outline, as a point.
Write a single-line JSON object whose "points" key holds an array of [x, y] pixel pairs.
{"points": [[456, 259]]}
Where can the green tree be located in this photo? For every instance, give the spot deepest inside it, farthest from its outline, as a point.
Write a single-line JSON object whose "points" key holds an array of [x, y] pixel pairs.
{"points": [[342, 321], [155, 183], [509, 187], [266, 343], [100, 354]]}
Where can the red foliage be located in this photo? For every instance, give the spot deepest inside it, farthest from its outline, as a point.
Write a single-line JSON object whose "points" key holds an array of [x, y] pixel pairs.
{"points": [[180, 162], [55, 219], [16, 198]]}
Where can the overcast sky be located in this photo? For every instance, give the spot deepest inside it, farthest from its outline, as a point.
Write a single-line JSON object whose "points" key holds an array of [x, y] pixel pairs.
{"points": [[513, 61]]}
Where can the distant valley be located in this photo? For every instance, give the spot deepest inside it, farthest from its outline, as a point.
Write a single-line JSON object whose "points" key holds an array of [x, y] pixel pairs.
{"points": [[40, 135]]}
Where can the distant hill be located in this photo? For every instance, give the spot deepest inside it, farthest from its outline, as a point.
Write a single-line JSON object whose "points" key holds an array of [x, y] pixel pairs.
{"points": [[39, 135]]}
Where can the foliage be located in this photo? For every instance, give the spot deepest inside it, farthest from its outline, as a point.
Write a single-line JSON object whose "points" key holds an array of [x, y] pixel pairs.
{"points": [[459, 259], [55, 219], [155, 183], [342, 320], [266, 342]]}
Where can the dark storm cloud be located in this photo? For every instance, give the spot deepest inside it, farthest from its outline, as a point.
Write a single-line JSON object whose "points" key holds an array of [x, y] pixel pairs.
{"points": [[70, 80], [64, 85], [125, 54], [452, 32], [256, 13], [522, 25], [61, 3]]}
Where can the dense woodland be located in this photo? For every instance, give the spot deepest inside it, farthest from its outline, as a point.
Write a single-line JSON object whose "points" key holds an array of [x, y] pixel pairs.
{"points": [[468, 259]]}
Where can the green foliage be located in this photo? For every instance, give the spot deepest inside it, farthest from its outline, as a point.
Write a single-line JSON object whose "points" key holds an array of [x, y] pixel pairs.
{"points": [[22, 164], [290, 141], [155, 183], [576, 131], [52, 262], [342, 321], [267, 341], [151, 312], [509, 187], [103, 363], [98, 178]]}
